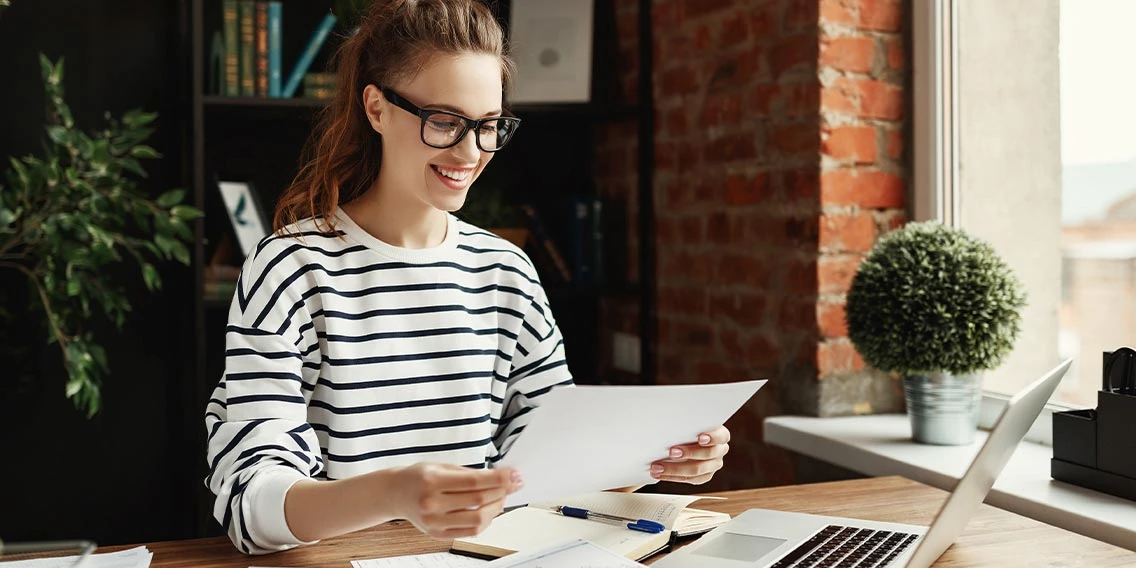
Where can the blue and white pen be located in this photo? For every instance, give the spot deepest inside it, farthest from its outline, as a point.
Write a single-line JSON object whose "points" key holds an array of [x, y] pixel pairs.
{"points": [[634, 524]]}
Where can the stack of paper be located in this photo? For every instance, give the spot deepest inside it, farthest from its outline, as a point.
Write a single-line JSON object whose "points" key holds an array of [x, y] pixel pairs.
{"points": [[138, 557]]}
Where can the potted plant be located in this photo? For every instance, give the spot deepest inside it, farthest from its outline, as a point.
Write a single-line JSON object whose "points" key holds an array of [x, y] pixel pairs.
{"points": [[68, 215], [937, 306]]}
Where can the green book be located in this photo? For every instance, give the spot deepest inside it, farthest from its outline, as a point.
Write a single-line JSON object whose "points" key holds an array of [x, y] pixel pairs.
{"points": [[246, 10], [231, 64]]}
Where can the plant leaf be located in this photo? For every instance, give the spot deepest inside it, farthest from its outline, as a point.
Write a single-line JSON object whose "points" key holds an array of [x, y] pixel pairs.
{"points": [[150, 276], [144, 152], [171, 198]]}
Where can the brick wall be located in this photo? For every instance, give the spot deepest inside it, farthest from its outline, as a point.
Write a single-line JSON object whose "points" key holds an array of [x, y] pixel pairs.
{"points": [[779, 160]]}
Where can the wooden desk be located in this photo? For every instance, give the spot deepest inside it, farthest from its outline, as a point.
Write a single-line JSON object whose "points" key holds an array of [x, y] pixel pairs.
{"points": [[993, 538]]}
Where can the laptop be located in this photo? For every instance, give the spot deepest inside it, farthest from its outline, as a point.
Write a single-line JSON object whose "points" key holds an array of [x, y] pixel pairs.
{"points": [[761, 538]]}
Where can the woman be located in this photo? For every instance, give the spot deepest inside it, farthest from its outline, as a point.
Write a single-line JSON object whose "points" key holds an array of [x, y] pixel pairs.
{"points": [[382, 355]]}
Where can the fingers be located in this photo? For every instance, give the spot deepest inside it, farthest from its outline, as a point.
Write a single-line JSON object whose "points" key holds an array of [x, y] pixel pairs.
{"points": [[685, 471], [461, 479], [697, 452], [464, 522], [719, 435]]}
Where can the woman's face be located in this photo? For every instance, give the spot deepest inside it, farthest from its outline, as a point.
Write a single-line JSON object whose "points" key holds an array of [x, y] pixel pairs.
{"points": [[469, 85]]}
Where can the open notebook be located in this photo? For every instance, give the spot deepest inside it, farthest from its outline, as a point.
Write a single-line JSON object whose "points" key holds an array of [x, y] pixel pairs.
{"points": [[538, 525]]}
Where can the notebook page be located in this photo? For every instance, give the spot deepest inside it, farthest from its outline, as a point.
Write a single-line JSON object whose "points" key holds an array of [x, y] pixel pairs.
{"points": [[436, 560], [571, 554], [529, 528], [660, 508]]}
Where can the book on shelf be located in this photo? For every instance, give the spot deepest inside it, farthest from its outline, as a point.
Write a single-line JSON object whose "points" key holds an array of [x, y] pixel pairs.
{"points": [[246, 39], [538, 525], [260, 69], [232, 68], [315, 42]]}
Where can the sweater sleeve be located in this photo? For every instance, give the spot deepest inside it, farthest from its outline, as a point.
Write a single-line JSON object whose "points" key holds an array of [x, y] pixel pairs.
{"points": [[259, 440], [538, 366]]}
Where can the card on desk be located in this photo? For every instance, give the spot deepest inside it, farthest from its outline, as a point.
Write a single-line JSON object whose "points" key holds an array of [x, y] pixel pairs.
{"points": [[538, 525]]}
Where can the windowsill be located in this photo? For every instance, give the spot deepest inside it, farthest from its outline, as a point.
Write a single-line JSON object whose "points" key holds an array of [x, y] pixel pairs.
{"points": [[881, 445]]}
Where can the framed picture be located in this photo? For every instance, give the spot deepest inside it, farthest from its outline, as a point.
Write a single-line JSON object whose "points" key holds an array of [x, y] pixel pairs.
{"points": [[551, 41], [245, 213]]}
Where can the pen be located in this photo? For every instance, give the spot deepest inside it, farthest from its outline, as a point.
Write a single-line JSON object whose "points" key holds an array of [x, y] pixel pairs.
{"points": [[634, 524]]}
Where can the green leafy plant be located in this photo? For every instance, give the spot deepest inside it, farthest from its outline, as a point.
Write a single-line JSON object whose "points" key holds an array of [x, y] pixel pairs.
{"points": [[65, 218], [930, 298]]}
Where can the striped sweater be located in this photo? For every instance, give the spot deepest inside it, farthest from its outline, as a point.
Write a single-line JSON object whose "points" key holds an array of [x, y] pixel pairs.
{"points": [[345, 355]]}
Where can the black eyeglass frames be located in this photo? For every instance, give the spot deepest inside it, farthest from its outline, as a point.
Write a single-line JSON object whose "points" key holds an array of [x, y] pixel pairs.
{"points": [[444, 129]]}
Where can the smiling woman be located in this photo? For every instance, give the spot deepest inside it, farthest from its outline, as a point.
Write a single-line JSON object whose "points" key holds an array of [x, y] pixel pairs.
{"points": [[382, 355]]}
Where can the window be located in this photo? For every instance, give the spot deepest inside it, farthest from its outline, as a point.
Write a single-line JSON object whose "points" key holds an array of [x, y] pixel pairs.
{"points": [[1025, 135]]}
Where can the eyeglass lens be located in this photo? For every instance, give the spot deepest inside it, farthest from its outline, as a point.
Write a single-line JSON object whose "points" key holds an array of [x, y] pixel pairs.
{"points": [[442, 130]]}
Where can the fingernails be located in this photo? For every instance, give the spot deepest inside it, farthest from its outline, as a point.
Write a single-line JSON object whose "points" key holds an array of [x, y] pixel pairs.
{"points": [[704, 439], [656, 470], [676, 452]]}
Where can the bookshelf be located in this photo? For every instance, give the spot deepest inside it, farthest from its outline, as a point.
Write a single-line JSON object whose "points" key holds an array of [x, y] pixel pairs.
{"points": [[259, 140]]}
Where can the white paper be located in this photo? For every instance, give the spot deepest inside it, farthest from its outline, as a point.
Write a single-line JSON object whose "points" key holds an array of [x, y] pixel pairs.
{"points": [[571, 554], [551, 41], [592, 438], [138, 557], [436, 560]]}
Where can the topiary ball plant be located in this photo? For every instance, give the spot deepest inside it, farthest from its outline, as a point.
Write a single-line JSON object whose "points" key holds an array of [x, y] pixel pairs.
{"points": [[930, 298]]}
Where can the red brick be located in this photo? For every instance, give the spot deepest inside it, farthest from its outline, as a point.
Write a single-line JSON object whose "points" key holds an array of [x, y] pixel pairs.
{"points": [[701, 39], [855, 144], [759, 350], [677, 193], [881, 15], [747, 190], [835, 357], [881, 100], [675, 122], [847, 233], [718, 227], [798, 314], [722, 109], [733, 268], [801, 277], [732, 147], [867, 188], [735, 32], [680, 80], [794, 52], [666, 156], [838, 12], [682, 300], [691, 229], [801, 185], [747, 310], [801, 15], [833, 99], [667, 15], [835, 273], [895, 52], [762, 22], [854, 54], [802, 99], [831, 320], [794, 139], [761, 99]]}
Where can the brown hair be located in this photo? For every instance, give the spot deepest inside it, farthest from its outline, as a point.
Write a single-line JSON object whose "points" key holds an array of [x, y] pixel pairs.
{"points": [[395, 40]]}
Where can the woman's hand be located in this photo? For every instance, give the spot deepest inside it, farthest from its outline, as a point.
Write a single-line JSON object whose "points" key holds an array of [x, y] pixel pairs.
{"points": [[449, 501], [694, 463]]}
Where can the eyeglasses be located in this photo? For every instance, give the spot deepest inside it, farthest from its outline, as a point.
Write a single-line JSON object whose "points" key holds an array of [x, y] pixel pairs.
{"points": [[444, 129]]}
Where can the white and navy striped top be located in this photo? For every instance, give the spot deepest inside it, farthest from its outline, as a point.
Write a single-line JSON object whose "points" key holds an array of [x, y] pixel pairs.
{"points": [[345, 355]]}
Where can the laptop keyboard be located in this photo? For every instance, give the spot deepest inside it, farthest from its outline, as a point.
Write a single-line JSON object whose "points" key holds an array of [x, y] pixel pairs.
{"points": [[838, 546]]}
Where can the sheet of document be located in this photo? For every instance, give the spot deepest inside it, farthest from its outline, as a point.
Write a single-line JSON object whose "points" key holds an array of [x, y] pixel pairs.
{"points": [[138, 557], [592, 438], [436, 560], [570, 554]]}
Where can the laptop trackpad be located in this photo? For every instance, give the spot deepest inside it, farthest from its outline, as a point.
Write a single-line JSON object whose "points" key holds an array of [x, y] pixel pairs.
{"points": [[743, 547]]}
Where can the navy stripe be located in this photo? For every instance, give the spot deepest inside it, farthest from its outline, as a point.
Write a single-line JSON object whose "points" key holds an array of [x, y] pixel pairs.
{"points": [[400, 428], [414, 334], [409, 450], [234, 441], [247, 331], [267, 398], [476, 250], [254, 375], [241, 351], [218, 402], [506, 422], [396, 405], [538, 392], [525, 370], [379, 383], [285, 254], [412, 357], [417, 310]]}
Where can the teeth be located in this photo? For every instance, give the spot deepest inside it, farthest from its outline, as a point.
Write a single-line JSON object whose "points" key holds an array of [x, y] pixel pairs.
{"points": [[456, 175]]}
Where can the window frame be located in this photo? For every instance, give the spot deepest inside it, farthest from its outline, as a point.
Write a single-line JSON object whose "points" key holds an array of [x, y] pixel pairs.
{"points": [[934, 193]]}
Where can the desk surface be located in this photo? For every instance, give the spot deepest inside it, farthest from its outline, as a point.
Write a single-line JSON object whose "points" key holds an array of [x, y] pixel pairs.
{"points": [[993, 538]]}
